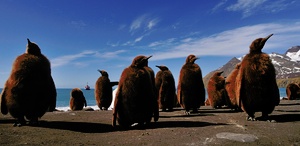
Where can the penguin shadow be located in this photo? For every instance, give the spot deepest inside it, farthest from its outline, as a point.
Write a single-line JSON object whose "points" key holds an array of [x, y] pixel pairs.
{"points": [[183, 124], [285, 118], [7, 121], [83, 127], [292, 111], [288, 104], [220, 110]]}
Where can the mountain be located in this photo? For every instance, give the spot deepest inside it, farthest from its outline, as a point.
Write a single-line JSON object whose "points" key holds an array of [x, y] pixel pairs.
{"points": [[287, 67]]}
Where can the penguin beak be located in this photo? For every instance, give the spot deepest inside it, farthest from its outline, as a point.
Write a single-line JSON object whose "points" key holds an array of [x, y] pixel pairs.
{"points": [[100, 71], [264, 40], [28, 41], [157, 66], [149, 57]]}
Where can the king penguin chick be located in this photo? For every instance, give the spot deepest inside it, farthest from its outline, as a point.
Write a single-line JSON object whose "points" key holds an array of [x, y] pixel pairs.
{"points": [[257, 90], [103, 90], [165, 86], [230, 88], [29, 90], [217, 95], [135, 99], [190, 90], [77, 100]]}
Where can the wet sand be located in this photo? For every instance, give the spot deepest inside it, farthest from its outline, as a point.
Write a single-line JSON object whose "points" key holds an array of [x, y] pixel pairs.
{"points": [[208, 127]]}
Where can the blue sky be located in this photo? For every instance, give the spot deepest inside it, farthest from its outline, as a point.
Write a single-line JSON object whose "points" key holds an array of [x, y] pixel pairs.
{"points": [[80, 36]]}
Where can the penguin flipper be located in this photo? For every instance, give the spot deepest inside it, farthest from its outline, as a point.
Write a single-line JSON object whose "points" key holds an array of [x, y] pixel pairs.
{"points": [[4, 110], [85, 104], [116, 107], [114, 83], [52, 104]]}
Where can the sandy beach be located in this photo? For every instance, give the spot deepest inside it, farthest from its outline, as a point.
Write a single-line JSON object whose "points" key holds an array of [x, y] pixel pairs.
{"points": [[208, 127]]}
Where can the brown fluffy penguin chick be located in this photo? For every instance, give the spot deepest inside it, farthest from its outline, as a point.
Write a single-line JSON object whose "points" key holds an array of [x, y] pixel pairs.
{"points": [[257, 90], [190, 90], [217, 95], [165, 86], [292, 91], [230, 87], [77, 100], [134, 101], [29, 90], [103, 90]]}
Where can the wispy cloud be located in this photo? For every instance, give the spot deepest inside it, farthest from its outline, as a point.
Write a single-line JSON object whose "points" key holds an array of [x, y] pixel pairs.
{"points": [[109, 54], [152, 23], [250, 7], [67, 59], [279, 5], [144, 22], [74, 59], [138, 39], [234, 42], [219, 5], [78, 24], [246, 6], [162, 43]]}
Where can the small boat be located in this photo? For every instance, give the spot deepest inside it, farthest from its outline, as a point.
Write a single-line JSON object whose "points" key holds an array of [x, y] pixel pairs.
{"points": [[87, 87]]}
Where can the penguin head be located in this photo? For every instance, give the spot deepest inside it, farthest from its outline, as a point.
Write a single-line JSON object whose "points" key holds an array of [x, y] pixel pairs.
{"points": [[140, 61], [218, 73], [237, 66], [162, 67], [257, 45], [33, 48], [191, 59], [103, 72]]}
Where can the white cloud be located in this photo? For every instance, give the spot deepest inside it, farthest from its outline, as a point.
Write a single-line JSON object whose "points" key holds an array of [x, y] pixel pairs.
{"points": [[136, 24], [144, 22], [74, 59], [109, 54], [186, 40], [138, 39], [250, 7], [219, 5], [152, 23], [276, 6], [235, 42], [64, 60], [162, 43], [246, 6]]}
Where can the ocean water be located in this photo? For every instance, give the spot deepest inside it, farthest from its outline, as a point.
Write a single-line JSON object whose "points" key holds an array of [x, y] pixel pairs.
{"points": [[63, 98]]}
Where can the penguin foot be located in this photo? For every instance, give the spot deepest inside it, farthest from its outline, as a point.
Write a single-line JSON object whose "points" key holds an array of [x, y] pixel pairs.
{"points": [[250, 118], [20, 122], [194, 111], [187, 112], [17, 124], [170, 110], [265, 117], [34, 122]]}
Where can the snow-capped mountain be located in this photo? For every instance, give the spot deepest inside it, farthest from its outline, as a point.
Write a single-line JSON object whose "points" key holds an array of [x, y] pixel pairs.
{"points": [[293, 53], [287, 65]]}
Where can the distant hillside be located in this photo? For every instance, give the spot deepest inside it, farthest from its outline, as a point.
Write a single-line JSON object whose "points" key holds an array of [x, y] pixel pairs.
{"points": [[287, 67]]}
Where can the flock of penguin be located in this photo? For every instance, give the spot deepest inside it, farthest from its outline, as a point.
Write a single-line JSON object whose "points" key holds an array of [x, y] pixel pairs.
{"points": [[30, 92]]}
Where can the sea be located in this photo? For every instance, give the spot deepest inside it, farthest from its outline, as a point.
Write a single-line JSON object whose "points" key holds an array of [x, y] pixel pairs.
{"points": [[63, 98]]}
